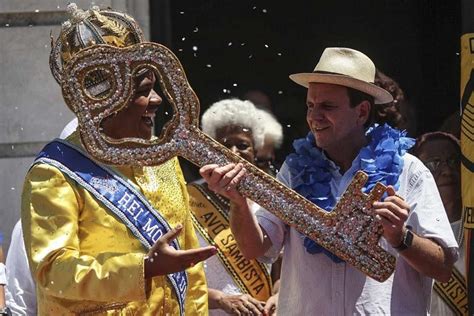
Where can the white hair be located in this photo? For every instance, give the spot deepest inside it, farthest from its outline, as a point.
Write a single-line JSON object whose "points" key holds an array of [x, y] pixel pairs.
{"points": [[233, 112], [273, 129]]}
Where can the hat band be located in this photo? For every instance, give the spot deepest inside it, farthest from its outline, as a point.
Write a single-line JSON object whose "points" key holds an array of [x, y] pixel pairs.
{"points": [[338, 74]]}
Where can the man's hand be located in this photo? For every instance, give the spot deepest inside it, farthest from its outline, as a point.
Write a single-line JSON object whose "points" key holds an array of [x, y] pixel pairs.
{"points": [[224, 180], [241, 305], [393, 212], [163, 259], [250, 237]]}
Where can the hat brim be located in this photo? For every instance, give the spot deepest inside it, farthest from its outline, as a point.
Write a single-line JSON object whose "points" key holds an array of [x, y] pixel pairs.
{"points": [[380, 95]]}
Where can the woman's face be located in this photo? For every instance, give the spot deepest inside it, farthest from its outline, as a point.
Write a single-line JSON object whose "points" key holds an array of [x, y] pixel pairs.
{"points": [[238, 139], [442, 157], [136, 119]]}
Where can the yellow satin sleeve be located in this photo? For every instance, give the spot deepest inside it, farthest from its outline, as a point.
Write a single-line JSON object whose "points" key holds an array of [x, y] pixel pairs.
{"points": [[85, 260], [196, 275]]}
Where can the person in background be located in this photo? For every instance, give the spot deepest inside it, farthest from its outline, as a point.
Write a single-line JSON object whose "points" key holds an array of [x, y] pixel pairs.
{"points": [[21, 292], [239, 126], [441, 154], [452, 124], [265, 156], [340, 98], [399, 113], [4, 310], [260, 99]]}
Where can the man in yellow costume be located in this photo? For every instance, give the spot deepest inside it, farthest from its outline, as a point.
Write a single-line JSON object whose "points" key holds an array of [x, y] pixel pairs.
{"points": [[103, 239]]}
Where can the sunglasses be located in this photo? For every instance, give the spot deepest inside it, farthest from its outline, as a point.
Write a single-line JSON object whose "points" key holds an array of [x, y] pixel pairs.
{"points": [[435, 165]]}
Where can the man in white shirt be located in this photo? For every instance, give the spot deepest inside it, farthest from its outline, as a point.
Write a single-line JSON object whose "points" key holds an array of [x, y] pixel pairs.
{"points": [[340, 100]]}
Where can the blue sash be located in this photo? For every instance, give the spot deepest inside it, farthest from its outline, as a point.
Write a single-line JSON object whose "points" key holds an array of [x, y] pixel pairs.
{"points": [[118, 196]]}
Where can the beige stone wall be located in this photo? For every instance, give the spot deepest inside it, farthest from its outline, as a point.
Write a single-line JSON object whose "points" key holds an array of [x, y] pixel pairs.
{"points": [[31, 106]]}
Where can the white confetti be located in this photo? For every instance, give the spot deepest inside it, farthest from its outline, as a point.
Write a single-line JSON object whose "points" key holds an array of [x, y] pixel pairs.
{"points": [[208, 65], [195, 48], [235, 85], [196, 29]]}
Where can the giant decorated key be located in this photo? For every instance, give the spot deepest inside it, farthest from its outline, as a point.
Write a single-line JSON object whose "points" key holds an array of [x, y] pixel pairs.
{"points": [[97, 83]]}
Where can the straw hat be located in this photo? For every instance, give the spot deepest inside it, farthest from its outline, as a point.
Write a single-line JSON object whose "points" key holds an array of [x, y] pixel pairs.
{"points": [[346, 67]]}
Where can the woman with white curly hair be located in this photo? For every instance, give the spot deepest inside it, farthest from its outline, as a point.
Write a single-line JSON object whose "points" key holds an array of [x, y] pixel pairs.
{"points": [[235, 124], [236, 286]]}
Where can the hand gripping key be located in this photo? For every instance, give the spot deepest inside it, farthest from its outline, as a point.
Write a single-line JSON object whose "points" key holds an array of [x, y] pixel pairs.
{"points": [[97, 83]]}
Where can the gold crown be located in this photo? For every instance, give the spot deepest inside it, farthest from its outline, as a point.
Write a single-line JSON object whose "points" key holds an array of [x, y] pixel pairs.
{"points": [[91, 27]]}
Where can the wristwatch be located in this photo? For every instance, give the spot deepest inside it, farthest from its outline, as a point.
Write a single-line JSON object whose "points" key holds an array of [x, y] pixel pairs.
{"points": [[5, 311], [407, 239]]}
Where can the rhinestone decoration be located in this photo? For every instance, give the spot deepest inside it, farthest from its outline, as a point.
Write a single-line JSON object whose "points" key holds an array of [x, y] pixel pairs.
{"points": [[350, 231]]}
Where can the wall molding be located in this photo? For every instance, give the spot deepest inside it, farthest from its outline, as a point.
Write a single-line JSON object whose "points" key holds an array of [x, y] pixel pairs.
{"points": [[41, 18], [16, 150]]}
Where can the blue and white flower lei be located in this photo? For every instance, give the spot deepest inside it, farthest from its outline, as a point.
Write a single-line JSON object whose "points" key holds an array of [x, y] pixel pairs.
{"points": [[381, 159]]}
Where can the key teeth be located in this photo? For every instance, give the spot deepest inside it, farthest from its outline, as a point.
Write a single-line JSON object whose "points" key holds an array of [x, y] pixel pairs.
{"points": [[358, 232]]}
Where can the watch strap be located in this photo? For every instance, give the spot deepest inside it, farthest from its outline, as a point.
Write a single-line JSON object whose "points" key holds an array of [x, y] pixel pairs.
{"points": [[406, 240]]}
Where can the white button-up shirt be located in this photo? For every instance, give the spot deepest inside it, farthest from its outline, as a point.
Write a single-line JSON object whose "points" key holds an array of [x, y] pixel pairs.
{"points": [[312, 284]]}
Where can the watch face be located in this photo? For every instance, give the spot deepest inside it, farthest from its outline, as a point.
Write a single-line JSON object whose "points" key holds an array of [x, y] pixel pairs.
{"points": [[408, 240]]}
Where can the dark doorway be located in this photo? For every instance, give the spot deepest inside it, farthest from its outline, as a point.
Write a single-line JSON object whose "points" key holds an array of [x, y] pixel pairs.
{"points": [[228, 47]]}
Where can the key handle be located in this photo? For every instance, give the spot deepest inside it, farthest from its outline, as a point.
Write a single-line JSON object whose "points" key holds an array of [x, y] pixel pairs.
{"points": [[98, 82]]}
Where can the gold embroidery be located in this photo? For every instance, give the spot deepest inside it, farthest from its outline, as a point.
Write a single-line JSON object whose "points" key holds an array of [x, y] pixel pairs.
{"points": [[454, 292]]}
